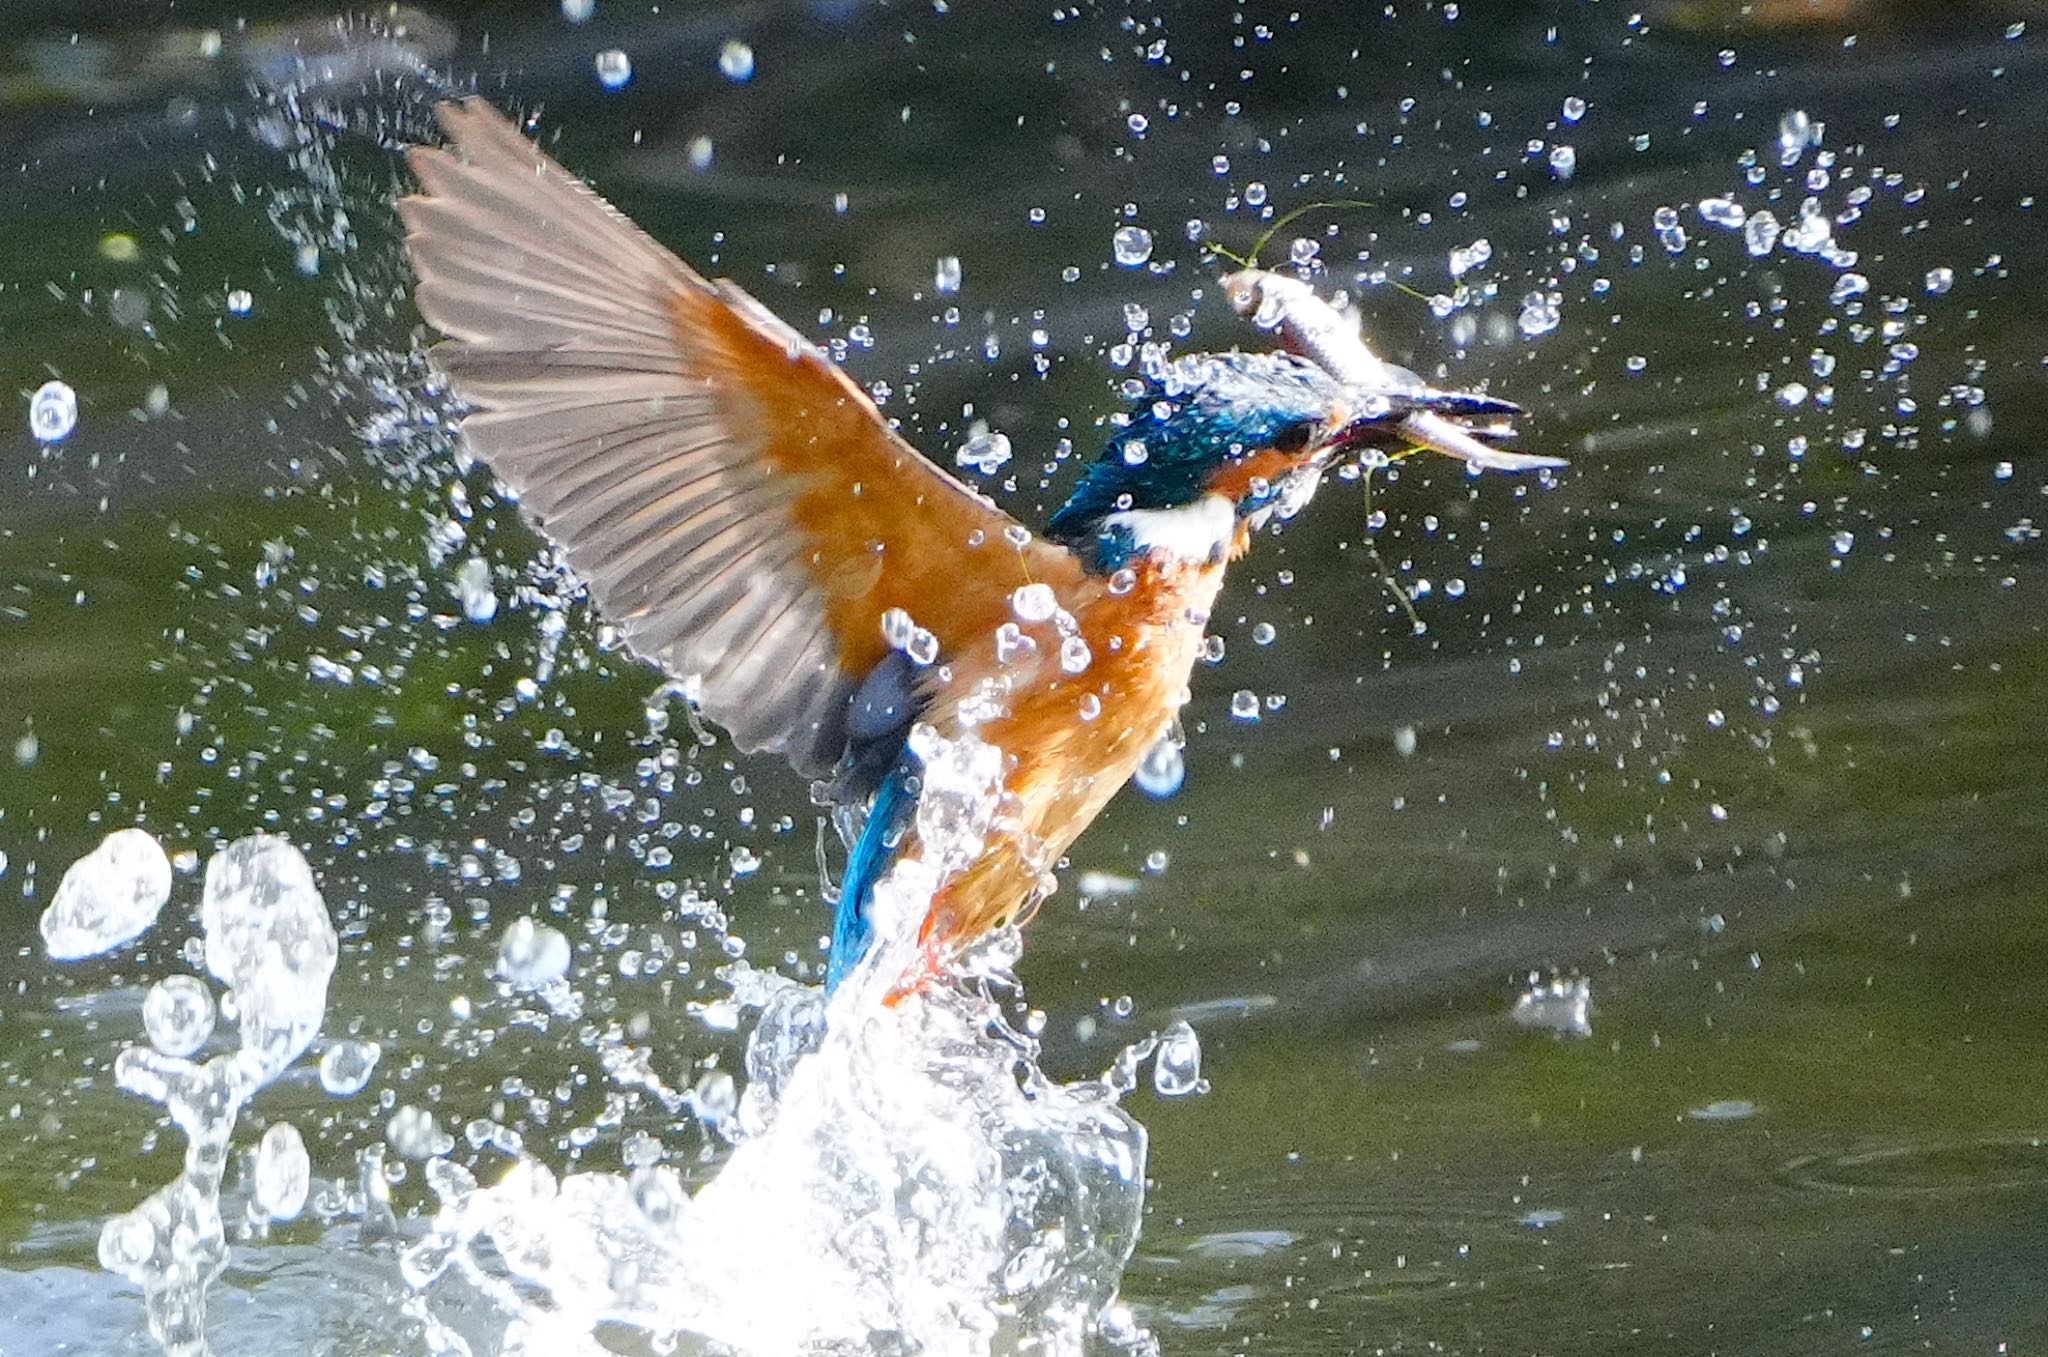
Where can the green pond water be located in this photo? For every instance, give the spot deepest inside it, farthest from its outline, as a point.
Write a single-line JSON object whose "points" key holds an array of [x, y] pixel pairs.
{"points": [[1738, 719]]}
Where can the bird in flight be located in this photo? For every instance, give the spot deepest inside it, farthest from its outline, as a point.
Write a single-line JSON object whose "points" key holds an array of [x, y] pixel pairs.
{"points": [[748, 521]]}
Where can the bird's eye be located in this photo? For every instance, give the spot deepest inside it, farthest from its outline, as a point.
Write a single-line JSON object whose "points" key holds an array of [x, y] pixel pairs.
{"points": [[1294, 437]]}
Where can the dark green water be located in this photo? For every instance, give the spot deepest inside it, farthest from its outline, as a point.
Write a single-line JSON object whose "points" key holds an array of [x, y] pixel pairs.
{"points": [[1739, 718]]}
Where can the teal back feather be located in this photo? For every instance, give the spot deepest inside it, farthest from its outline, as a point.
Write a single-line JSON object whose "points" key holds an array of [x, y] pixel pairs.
{"points": [[1195, 416]]}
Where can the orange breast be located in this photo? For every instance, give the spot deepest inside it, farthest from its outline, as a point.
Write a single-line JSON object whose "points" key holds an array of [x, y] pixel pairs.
{"points": [[1072, 738]]}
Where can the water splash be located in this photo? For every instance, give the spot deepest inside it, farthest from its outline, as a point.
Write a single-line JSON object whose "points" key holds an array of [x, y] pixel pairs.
{"points": [[906, 1179], [1561, 1005], [268, 936], [913, 1184]]}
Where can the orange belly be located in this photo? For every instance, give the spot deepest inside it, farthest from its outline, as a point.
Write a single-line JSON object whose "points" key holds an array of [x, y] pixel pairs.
{"points": [[1070, 739]]}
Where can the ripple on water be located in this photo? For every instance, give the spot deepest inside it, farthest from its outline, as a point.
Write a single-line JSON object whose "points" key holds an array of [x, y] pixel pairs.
{"points": [[1956, 1168]]}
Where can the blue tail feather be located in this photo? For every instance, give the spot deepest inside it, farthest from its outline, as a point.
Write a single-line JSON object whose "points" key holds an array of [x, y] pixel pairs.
{"points": [[889, 816]]}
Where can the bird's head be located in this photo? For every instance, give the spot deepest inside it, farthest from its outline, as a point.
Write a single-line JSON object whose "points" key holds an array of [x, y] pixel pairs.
{"points": [[1216, 444]]}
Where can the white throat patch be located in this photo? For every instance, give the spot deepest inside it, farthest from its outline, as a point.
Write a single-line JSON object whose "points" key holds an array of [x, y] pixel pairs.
{"points": [[1199, 532]]}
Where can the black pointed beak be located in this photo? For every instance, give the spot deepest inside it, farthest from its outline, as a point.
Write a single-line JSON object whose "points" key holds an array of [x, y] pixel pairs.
{"points": [[1440, 422]]}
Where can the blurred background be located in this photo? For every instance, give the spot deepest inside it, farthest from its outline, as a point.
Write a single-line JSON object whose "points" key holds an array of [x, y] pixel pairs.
{"points": [[1733, 727]]}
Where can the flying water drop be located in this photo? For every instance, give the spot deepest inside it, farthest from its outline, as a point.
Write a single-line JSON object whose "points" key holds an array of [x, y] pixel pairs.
{"points": [[346, 1066], [108, 897], [473, 587], [52, 412], [532, 955], [1540, 315], [283, 1173], [614, 69], [1760, 233], [1164, 770], [1177, 1065], [985, 450], [736, 62], [177, 1013]]}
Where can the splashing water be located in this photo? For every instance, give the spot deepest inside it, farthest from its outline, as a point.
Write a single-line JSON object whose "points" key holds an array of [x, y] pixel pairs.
{"points": [[906, 1179], [268, 936], [913, 1184]]}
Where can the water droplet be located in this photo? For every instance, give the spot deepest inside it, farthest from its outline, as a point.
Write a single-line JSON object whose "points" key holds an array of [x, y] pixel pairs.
{"points": [[1034, 603], [985, 450], [946, 273], [1074, 655], [52, 412], [1563, 160], [1574, 109], [531, 955], [1465, 258], [578, 11], [1847, 286], [1164, 770], [1760, 233], [414, 1133], [473, 587], [1539, 315], [1796, 131], [1263, 634], [700, 152], [1722, 212], [110, 896], [346, 1066], [614, 68], [177, 1014], [283, 1172], [736, 62], [269, 939], [1940, 280], [1132, 245], [1244, 705], [1405, 741], [240, 302], [897, 628], [1177, 1065]]}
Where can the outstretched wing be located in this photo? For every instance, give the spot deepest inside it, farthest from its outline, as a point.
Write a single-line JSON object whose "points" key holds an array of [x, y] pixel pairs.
{"points": [[735, 501]]}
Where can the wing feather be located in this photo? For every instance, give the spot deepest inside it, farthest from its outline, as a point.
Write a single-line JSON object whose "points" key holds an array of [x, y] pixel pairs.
{"points": [[737, 504]]}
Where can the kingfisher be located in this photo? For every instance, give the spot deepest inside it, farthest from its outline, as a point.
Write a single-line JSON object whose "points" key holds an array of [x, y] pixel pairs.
{"points": [[743, 514]]}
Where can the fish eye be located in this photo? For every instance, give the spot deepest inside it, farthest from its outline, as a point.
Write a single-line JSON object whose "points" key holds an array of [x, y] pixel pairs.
{"points": [[1294, 437]]}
